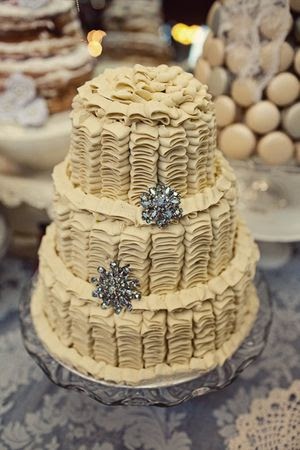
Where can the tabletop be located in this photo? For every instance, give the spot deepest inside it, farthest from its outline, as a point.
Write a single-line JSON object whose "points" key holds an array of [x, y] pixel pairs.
{"points": [[37, 415]]}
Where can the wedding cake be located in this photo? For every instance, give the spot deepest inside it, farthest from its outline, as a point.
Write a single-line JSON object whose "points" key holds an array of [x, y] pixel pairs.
{"points": [[147, 271]]}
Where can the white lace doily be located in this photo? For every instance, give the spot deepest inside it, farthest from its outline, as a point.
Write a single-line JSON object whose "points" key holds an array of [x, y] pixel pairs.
{"points": [[272, 424]]}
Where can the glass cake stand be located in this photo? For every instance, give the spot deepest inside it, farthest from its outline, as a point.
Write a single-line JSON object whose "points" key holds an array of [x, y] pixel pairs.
{"points": [[270, 203], [159, 394]]}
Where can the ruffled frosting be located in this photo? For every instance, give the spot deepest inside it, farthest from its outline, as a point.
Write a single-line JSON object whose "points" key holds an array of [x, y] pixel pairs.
{"points": [[242, 264], [163, 338], [120, 209], [151, 124], [194, 250]]}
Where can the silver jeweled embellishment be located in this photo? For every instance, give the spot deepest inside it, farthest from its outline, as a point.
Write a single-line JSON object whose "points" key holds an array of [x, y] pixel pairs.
{"points": [[115, 287], [161, 205]]}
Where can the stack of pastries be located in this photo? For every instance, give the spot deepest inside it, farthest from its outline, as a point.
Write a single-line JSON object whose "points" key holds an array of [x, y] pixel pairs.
{"points": [[42, 39]]}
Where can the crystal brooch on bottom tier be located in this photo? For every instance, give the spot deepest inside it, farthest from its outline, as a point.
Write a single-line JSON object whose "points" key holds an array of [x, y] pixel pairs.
{"points": [[161, 205], [115, 287]]}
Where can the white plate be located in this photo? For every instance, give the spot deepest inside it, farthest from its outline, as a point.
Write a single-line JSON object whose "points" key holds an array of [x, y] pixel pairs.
{"points": [[273, 215]]}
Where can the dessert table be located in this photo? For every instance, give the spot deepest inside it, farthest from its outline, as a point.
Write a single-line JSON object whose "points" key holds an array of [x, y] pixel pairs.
{"points": [[35, 414]]}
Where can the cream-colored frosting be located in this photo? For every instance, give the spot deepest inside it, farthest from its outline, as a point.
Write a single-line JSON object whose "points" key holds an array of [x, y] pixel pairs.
{"points": [[135, 126], [91, 231], [131, 128], [242, 264], [119, 209], [166, 334]]}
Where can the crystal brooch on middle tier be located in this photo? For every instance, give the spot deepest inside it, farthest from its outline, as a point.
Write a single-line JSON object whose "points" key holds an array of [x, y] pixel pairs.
{"points": [[115, 287], [161, 205]]}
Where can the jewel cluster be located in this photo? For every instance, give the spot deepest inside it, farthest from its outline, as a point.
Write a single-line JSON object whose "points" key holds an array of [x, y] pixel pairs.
{"points": [[115, 287], [161, 205]]}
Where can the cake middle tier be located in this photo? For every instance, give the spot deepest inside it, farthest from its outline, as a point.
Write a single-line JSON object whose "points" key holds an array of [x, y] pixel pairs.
{"points": [[93, 231]]}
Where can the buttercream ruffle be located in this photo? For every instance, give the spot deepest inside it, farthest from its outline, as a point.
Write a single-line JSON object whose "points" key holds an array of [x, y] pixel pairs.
{"points": [[165, 335], [135, 126], [240, 268], [197, 248]]}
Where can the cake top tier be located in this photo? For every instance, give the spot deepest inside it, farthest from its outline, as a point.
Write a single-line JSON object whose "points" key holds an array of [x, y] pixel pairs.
{"points": [[135, 127], [155, 95]]}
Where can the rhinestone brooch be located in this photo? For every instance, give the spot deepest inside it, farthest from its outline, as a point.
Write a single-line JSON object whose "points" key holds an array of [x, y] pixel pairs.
{"points": [[161, 205], [115, 287]]}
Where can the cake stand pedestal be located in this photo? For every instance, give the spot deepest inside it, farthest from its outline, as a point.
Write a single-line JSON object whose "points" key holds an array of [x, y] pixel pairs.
{"points": [[168, 393], [27, 208], [270, 204], [34, 189], [37, 148]]}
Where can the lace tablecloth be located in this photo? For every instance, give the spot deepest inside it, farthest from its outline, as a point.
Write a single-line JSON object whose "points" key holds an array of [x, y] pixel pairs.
{"points": [[37, 415]]}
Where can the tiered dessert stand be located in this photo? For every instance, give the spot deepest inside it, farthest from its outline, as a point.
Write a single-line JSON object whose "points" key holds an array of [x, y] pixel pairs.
{"points": [[37, 148], [25, 176]]}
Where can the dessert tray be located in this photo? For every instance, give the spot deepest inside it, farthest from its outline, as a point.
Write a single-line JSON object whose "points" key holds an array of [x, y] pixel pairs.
{"points": [[165, 393]]}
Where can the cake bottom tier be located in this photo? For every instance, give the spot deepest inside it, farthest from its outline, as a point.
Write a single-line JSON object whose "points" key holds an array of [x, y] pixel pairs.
{"points": [[164, 337]]}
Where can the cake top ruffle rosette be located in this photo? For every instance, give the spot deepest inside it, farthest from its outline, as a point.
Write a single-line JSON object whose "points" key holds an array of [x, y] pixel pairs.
{"points": [[163, 94]]}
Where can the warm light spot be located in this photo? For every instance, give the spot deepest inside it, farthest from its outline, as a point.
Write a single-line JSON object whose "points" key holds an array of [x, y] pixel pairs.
{"points": [[94, 48], [90, 35], [96, 35], [94, 39], [184, 34]]}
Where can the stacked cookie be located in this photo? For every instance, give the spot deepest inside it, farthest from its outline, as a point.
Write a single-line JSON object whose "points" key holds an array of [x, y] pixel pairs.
{"points": [[254, 119]]}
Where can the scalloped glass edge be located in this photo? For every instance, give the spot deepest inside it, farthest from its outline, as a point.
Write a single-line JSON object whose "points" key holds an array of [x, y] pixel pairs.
{"points": [[153, 395]]}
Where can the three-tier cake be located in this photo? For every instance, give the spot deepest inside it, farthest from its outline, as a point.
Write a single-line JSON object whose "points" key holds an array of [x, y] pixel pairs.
{"points": [[144, 185]]}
